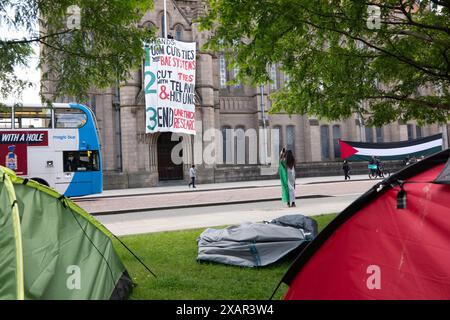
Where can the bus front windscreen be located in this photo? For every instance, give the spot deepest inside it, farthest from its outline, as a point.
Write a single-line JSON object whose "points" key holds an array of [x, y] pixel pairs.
{"points": [[69, 118]]}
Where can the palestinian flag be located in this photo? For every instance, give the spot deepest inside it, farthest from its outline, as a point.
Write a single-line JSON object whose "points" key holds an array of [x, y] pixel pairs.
{"points": [[364, 151]]}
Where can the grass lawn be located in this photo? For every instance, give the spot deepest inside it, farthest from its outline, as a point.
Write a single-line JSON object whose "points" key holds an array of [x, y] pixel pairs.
{"points": [[172, 256]]}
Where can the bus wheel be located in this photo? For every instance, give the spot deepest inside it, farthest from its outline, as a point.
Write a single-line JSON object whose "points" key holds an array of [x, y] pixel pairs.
{"points": [[41, 181]]}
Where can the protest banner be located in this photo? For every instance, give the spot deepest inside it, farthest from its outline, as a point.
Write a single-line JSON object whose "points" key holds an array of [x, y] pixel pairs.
{"points": [[169, 86]]}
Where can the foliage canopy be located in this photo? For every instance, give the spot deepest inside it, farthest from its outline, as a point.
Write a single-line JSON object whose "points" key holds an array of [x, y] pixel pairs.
{"points": [[74, 57], [340, 58]]}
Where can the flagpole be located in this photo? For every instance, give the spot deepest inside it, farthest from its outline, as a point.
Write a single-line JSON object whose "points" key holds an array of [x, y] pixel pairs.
{"points": [[165, 21]]}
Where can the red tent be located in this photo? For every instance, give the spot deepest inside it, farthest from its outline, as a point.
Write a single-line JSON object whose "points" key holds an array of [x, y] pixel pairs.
{"points": [[391, 243]]}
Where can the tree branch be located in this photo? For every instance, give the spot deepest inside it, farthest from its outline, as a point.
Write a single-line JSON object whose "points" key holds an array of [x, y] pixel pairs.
{"points": [[365, 41], [77, 54], [421, 25], [422, 102], [36, 39], [400, 58]]}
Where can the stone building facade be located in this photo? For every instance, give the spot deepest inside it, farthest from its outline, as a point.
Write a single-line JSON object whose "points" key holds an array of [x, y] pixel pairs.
{"points": [[132, 158]]}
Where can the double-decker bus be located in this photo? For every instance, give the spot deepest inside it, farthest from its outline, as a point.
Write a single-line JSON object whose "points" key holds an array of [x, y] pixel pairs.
{"points": [[57, 146]]}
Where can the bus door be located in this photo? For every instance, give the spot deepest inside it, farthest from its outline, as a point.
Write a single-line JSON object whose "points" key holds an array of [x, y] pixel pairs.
{"points": [[64, 175]]}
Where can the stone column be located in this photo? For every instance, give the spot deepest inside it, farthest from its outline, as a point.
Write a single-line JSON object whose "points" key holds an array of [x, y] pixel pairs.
{"points": [[314, 129], [300, 143], [264, 149], [135, 151], [105, 117], [402, 132], [205, 88]]}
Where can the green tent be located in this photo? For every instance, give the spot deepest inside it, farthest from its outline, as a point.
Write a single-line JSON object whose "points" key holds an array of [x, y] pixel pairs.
{"points": [[52, 249]]}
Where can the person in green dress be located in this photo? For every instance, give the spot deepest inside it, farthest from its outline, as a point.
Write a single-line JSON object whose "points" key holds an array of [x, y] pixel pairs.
{"points": [[282, 172], [290, 168]]}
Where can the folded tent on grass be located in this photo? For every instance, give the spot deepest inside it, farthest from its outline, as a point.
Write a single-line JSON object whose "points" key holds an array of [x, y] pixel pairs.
{"points": [[393, 242], [50, 248], [256, 244]]}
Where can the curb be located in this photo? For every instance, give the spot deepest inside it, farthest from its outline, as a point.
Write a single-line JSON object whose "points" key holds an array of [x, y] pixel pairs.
{"points": [[196, 205], [163, 192]]}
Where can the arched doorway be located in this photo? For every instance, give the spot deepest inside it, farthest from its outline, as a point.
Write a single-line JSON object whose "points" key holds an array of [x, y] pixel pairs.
{"points": [[167, 169]]}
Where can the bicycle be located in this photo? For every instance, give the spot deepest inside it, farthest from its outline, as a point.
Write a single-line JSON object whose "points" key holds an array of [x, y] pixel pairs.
{"points": [[378, 171]]}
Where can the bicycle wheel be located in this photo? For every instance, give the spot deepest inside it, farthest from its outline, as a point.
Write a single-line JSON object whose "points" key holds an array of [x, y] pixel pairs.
{"points": [[386, 174], [372, 175]]}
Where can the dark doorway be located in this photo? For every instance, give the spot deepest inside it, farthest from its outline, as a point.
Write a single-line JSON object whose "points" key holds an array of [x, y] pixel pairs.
{"points": [[167, 170]]}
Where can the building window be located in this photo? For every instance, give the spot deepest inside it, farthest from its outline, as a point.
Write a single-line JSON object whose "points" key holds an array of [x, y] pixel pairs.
{"points": [[240, 145], [419, 132], [336, 138], [235, 73], [410, 128], [287, 79], [290, 138], [277, 138], [163, 26], [380, 134], [273, 77], [227, 141], [325, 142], [369, 134], [222, 71], [151, 29], [178, 33]]}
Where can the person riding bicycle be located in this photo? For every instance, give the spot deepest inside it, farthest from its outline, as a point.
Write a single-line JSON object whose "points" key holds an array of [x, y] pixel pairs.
{"points": [[379, 166], [377, 169], [372, 164]]}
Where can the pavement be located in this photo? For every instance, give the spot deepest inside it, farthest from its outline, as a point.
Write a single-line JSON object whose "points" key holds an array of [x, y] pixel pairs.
{"points": [[182, 187], [177, 197], [167, 208]]}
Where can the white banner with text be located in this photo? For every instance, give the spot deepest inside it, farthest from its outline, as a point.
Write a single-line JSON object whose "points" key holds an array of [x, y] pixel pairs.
{"points": [[169, 86]]}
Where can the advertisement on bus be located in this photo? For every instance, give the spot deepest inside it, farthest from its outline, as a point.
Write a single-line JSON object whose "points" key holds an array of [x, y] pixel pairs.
{"points": [[14, 148]]}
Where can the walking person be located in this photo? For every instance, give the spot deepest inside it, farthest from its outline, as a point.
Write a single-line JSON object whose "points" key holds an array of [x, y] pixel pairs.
{"points": [[346, 168], [290, 166], [282, 172], [192, 175]]}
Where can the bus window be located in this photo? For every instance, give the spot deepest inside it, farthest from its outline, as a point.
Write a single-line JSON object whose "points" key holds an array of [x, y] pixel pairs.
{"points": [[32, 118], [5, 118], [69, 118], [81, 161]]}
